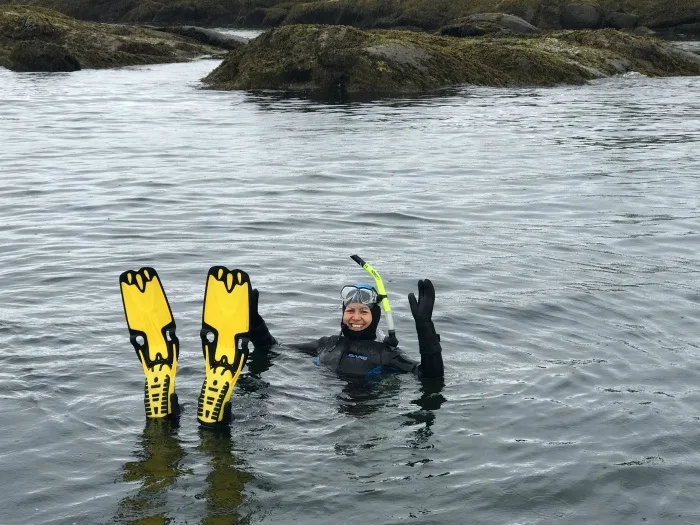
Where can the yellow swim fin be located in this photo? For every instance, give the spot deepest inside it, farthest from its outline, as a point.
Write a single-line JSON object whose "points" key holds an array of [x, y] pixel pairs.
{"points": [[152, 332], [225, 325]]}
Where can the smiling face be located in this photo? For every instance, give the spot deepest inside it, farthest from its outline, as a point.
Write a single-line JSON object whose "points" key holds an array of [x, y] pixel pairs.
{"points": [[357, 316]]}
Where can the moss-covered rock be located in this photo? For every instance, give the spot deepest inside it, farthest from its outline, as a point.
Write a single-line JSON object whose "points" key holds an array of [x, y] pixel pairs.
{"points": [[661, 14], [489, 23], [546, 14], [35, 55], [618, 20], [37, 39], [580, 16], [428, 15], [345, 60]]}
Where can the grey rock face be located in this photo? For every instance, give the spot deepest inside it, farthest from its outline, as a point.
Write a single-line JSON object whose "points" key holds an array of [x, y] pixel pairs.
{"points": [[35, 55], [462, 30], [643, 30], [550, 12], [489, 23], [206, 36], [687, 31], [580, 16], [621, 20], [506, 21]]}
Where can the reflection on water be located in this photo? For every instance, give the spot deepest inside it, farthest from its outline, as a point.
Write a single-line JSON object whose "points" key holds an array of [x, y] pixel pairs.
{"points": [[259, 362], [225, 481], [362, 397], [338, 100], [431, 400], [158, 466]]}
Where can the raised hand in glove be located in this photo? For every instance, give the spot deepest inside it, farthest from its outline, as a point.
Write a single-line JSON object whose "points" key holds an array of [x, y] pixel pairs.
{"points": [[255, 317], [422, 310], [259, 333]]}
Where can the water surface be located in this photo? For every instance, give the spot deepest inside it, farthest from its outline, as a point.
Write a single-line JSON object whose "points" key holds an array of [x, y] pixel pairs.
{"points": [[560, 227]]}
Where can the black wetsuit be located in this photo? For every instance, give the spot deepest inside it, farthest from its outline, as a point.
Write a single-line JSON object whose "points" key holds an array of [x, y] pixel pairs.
{"points": [[360, 358]]}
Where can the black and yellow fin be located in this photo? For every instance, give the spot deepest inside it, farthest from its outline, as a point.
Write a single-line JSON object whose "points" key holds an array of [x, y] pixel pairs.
{"points": [[224, 334], [152, 332]]}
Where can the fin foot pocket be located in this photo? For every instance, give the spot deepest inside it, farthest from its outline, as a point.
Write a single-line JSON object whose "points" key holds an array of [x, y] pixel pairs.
{"points": [[224, 335], [215, 397], [152, 334]]}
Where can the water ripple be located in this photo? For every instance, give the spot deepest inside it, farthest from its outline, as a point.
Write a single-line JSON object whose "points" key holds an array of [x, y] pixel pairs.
{"points": [[560, 228]]}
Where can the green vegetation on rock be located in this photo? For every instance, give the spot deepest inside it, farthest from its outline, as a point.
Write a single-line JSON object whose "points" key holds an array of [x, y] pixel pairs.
{"points": [[345, 60], [38, 39], [427, 15]]}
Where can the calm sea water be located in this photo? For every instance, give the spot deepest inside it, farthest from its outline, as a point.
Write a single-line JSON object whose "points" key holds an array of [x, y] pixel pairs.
{"points": [[560, 227]]}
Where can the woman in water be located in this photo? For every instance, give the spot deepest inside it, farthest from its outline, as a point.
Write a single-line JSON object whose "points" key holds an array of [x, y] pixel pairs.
{"points": [[361, 349]]}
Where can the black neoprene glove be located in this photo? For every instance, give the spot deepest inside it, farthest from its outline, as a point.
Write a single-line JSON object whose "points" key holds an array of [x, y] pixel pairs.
{"points": [[255, 317], [259, 333], [422, 310]]}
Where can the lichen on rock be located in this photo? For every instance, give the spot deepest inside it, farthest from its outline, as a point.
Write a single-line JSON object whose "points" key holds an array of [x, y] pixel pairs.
{"points": [[42, 56], [426, 15], [38, 39], [346, 60]]}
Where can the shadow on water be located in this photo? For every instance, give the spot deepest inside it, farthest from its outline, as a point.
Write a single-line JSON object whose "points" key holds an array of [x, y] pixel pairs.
{"points": [[225, 481], [157, 468]]}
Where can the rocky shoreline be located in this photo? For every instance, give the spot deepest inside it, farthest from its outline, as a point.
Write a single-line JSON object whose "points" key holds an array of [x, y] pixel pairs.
{"points": [[491, 49], [38, 39], [673, 17], [342, 60]]}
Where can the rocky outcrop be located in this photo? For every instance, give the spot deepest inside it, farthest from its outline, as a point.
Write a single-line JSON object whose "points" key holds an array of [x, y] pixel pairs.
{"points": [[580, 16], [35, 55], [37, 39], [206, 36], [489, 23], [340, 60], [618, 20], [662, 14], [430, 15], [426, 15]]}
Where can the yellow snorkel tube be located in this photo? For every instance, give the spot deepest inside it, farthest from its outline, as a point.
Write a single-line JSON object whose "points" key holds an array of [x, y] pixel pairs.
{"points": [[391, 338]]}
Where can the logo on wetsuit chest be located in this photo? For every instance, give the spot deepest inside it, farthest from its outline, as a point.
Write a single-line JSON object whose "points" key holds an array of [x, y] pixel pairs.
{"points": [[358, 356]]}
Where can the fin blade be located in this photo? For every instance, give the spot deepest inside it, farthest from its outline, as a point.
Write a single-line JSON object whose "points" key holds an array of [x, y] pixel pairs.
{"points": [[225, 327], [227, 308], [152, 330], [146, 306]]}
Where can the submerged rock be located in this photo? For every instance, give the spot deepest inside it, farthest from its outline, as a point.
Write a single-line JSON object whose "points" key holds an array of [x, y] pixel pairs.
{"points": [[36, 39], [345, 60]]}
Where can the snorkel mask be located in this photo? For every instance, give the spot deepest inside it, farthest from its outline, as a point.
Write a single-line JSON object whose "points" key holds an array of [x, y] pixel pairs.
{"points": [[380, 295], [360, 293]]}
